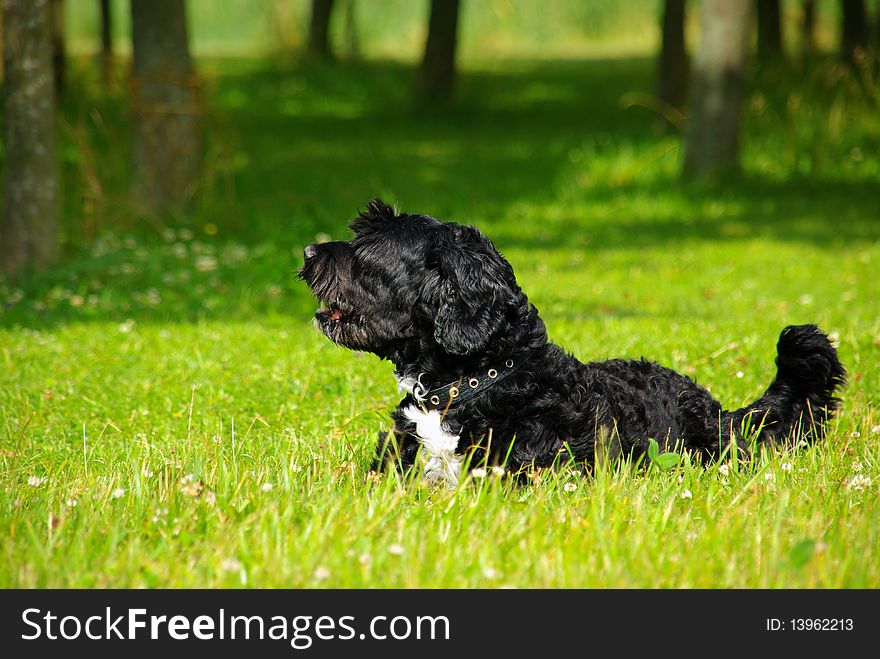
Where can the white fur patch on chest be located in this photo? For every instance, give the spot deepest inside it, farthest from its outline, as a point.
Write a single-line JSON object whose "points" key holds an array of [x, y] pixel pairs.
{"points": [[442, 465]]}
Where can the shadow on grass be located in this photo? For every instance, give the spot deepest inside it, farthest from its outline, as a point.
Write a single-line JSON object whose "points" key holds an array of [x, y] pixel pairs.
{"points": [[539, 154]]}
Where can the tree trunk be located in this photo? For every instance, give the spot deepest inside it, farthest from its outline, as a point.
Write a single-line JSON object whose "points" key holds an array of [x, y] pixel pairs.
{"points": [[854, 31], [59, 59], [106, 41], [809, 27], [29, 219], [352, 40], [166, 104], [319, 30], [673, 75], [437, 76], [769, 30], [713, 132]]}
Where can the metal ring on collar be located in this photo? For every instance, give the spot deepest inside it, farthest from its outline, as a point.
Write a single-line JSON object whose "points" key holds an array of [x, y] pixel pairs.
{"points": [[435, 400], [509, 363], [492, 373], [473, 383], [453, 392]]}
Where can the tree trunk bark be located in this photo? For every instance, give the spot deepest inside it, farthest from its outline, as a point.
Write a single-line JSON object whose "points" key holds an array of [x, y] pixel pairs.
{"points": [[437, 75], [854, 30], [769, 30], [809, 27], [713, 132], [352, 39], [106, 41], [674, 74], [59, 59], [319, 30], [29, 220], [166, 104]]}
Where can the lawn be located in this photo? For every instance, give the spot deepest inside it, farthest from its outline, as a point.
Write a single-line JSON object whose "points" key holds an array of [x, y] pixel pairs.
{"points": [[169, 418]]}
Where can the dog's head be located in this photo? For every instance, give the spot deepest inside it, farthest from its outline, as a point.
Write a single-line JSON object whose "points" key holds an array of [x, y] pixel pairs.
{"points": [[405, 277]]}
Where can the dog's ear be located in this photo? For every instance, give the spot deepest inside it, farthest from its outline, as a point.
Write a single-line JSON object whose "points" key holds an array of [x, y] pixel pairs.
{"points": [[474, 289], [373, 217]]}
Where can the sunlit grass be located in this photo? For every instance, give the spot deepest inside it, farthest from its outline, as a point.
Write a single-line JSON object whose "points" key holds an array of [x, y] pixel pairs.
{"points": [[168, 417]]}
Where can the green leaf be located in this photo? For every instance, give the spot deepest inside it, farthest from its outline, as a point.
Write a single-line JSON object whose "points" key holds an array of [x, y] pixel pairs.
{"points": [[667, 460], [653, 449], [663, 461]]}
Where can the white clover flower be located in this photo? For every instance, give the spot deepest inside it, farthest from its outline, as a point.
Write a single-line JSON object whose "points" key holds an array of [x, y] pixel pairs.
{"points": [[231, 565], [206, 263], [570, 487], [267, 487], [322, 573], [479, 472], [490, 573], [35, 481], [396, 549], [859, 483], [498, 471], [769, 477], [875, 429], [786, 466], [724, 469], [856, 466], [71, 503], [117, 493], [686, 494]]}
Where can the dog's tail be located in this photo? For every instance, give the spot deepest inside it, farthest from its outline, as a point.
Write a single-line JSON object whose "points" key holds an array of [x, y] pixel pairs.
{"points": [[801, 399]]}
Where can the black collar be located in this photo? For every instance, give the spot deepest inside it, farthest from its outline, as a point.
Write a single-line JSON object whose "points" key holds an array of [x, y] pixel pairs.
{"points": [[466, 387]]}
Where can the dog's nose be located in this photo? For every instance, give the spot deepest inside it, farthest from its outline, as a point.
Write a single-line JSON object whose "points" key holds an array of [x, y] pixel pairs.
{"points": [[310, 251]]}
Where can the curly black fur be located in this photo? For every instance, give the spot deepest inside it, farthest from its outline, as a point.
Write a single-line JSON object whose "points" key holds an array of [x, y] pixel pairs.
{"points": [[439, 301]]}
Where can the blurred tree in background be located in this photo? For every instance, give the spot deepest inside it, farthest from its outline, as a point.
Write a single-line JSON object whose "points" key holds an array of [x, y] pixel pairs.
{"points": [[854, 30], [769, 29], [713, 132], [160, 117], [319, 30], [106, 41], [59, 61], [437, 75], [808, 27], [29, 220], [166, 105], [673, 65]]}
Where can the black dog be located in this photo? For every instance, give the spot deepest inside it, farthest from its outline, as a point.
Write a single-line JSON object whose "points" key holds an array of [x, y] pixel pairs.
{"points": [[443, 305]]}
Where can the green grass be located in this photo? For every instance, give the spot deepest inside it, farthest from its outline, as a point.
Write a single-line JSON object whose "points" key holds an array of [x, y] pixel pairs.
{"points": [[168, 417]]}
